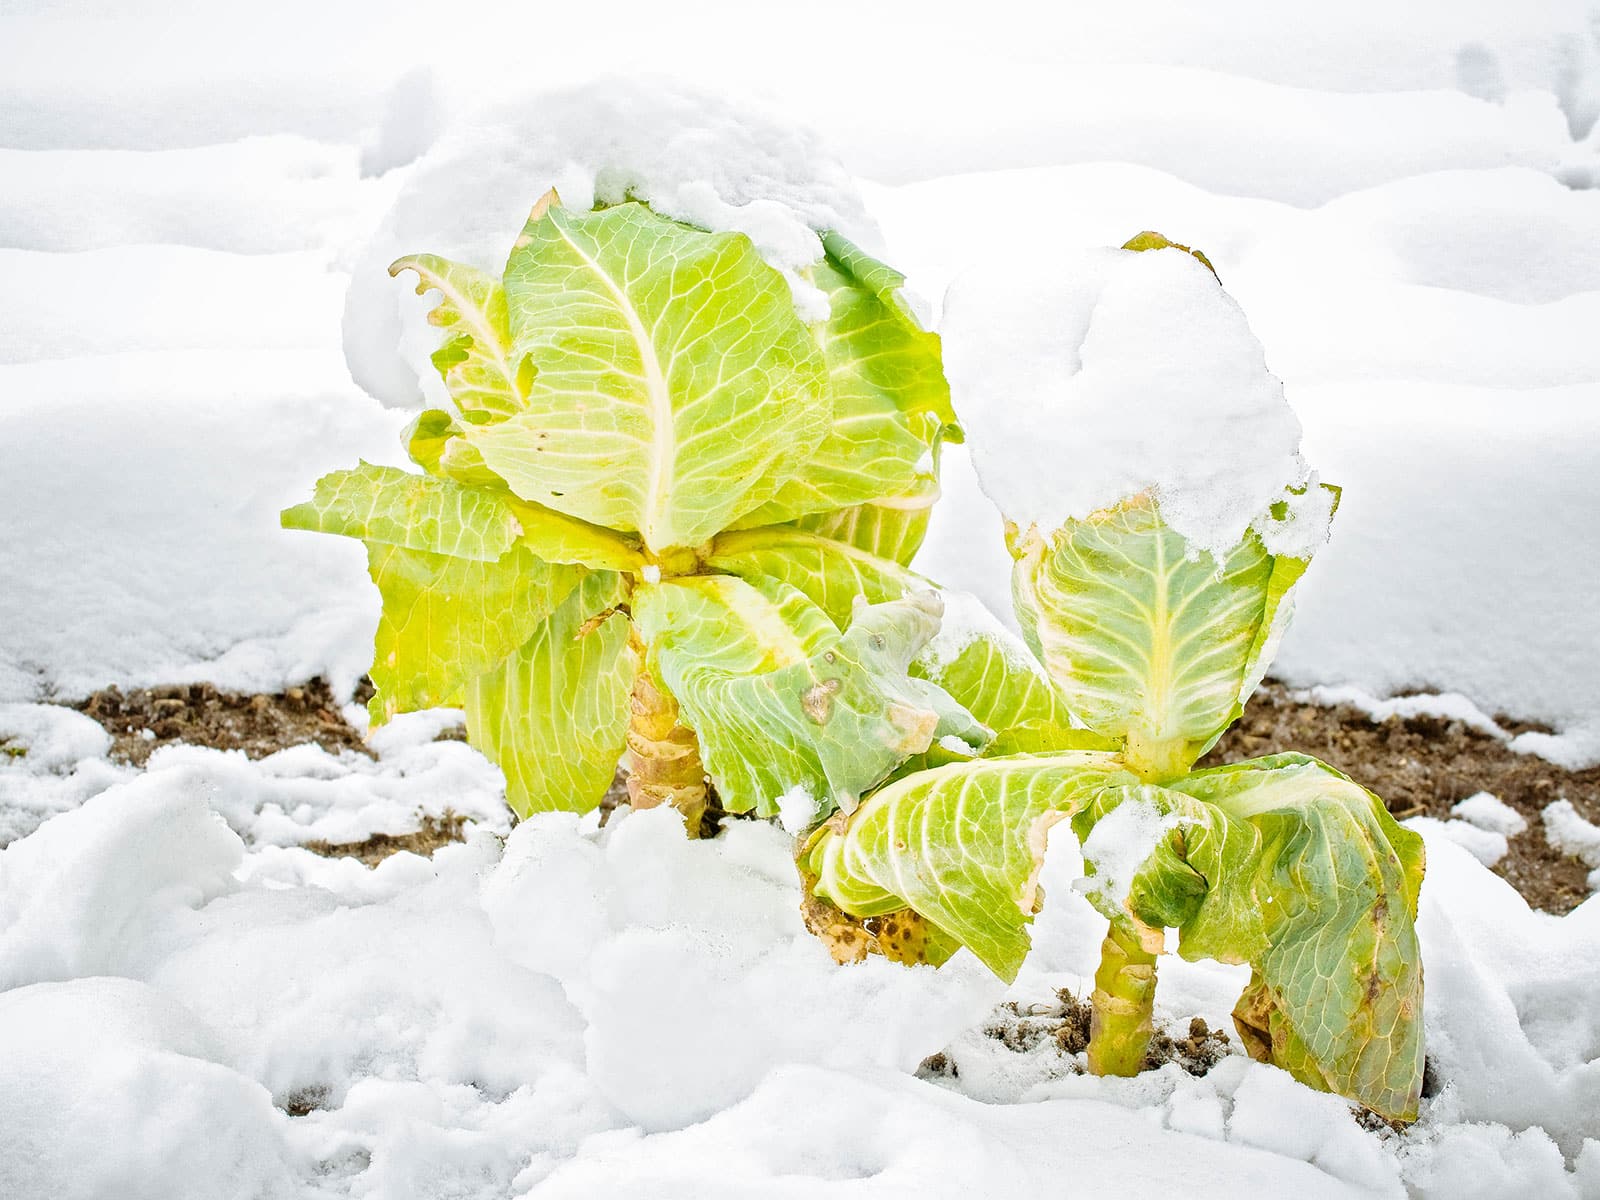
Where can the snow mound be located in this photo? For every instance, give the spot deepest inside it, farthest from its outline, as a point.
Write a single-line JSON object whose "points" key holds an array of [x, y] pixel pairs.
{"points": [[1088, 380], [709, 162], [110, 1088]]}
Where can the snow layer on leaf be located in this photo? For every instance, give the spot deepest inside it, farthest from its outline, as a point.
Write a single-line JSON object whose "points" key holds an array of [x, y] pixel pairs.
{"points": [[707, 161], [966, 619], [1119, 845], [1086, 380]]}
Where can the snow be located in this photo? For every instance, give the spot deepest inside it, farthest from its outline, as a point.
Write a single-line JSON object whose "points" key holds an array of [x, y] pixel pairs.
{"points": [[1119, 845], [1486, 845], [966, 621], [156, 555], [1083, 381], [1408, 225], [1488, 811], [537, 1015], [797, 810], [1569, 833], [715, 163]]}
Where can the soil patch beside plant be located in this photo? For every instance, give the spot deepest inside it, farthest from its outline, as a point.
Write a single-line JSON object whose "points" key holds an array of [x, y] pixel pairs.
{"points": [[1424, 766], [142, 719]]}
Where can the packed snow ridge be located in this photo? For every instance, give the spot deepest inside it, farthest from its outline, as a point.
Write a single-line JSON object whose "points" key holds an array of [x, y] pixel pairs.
{"points": [[1085, 380]]}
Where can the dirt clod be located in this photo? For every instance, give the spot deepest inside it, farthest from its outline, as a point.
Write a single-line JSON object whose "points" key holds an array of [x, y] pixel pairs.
{"points": [[1067, 1020], [304, 1101], [1424, 766]]}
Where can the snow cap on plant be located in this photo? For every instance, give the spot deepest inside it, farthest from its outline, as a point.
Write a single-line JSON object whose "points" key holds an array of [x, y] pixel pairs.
{"points": [[644, 518]]}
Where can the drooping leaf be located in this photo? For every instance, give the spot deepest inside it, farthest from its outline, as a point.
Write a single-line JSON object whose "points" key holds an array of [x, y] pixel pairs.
{"points": [[831, 573], [1146, 642], [418, 512], [989, 671], [891, 400], [447, 620], [436, 442], [1288, 865], [674, 386], [962, 845], [484, 374], [554, 714], [784, 704]]}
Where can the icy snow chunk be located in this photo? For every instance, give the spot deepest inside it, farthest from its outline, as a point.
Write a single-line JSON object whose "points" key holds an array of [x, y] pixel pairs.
{"points": [[797, 809], [319, 988], [1272, 1111], [1488, 811], [692, 157], [1085, 381], [1485, 845], [1568, 832], [1486, 1162], [50, 736], [109, 1088]]}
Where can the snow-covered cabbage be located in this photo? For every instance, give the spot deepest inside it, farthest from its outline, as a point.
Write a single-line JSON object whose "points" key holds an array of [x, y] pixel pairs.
{"points": [[660, 467], [1154, 641]]}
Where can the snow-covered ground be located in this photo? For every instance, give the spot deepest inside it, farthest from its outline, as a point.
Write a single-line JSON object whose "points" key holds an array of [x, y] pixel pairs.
{"points": [[1402, 202]]}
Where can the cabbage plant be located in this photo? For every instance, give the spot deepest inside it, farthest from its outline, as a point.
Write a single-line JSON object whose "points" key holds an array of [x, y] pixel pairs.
{"points": [[1280, 862], [643, 524]]}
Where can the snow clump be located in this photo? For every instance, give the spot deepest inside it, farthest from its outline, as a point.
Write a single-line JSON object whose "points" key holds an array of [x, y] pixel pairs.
{"points": [[704, 161], [1085, 381]]}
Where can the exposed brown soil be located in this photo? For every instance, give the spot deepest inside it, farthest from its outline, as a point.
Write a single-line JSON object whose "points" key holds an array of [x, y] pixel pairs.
{"points": [[435, 832], [1065, 1021], [142, 719], [1419, 765], [1423, 766]]}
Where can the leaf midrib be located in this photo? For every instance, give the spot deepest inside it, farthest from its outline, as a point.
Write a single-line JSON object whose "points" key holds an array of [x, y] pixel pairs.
{"points": [[663, 445]]}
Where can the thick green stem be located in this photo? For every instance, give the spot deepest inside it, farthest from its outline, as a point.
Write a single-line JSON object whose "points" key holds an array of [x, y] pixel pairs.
{"points": [[1124, 993]]}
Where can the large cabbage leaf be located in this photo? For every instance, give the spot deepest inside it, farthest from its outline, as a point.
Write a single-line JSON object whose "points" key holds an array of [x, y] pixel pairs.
{"points": [[446, 620], [1148, 642], [962, 845], [418, 512], [790, 712], [1288, 865], [891, 400], [672, 387], [554, 714]]}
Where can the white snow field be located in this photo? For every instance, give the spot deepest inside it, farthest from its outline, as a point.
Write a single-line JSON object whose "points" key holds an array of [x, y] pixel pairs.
{"points": [[196, 203]]}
